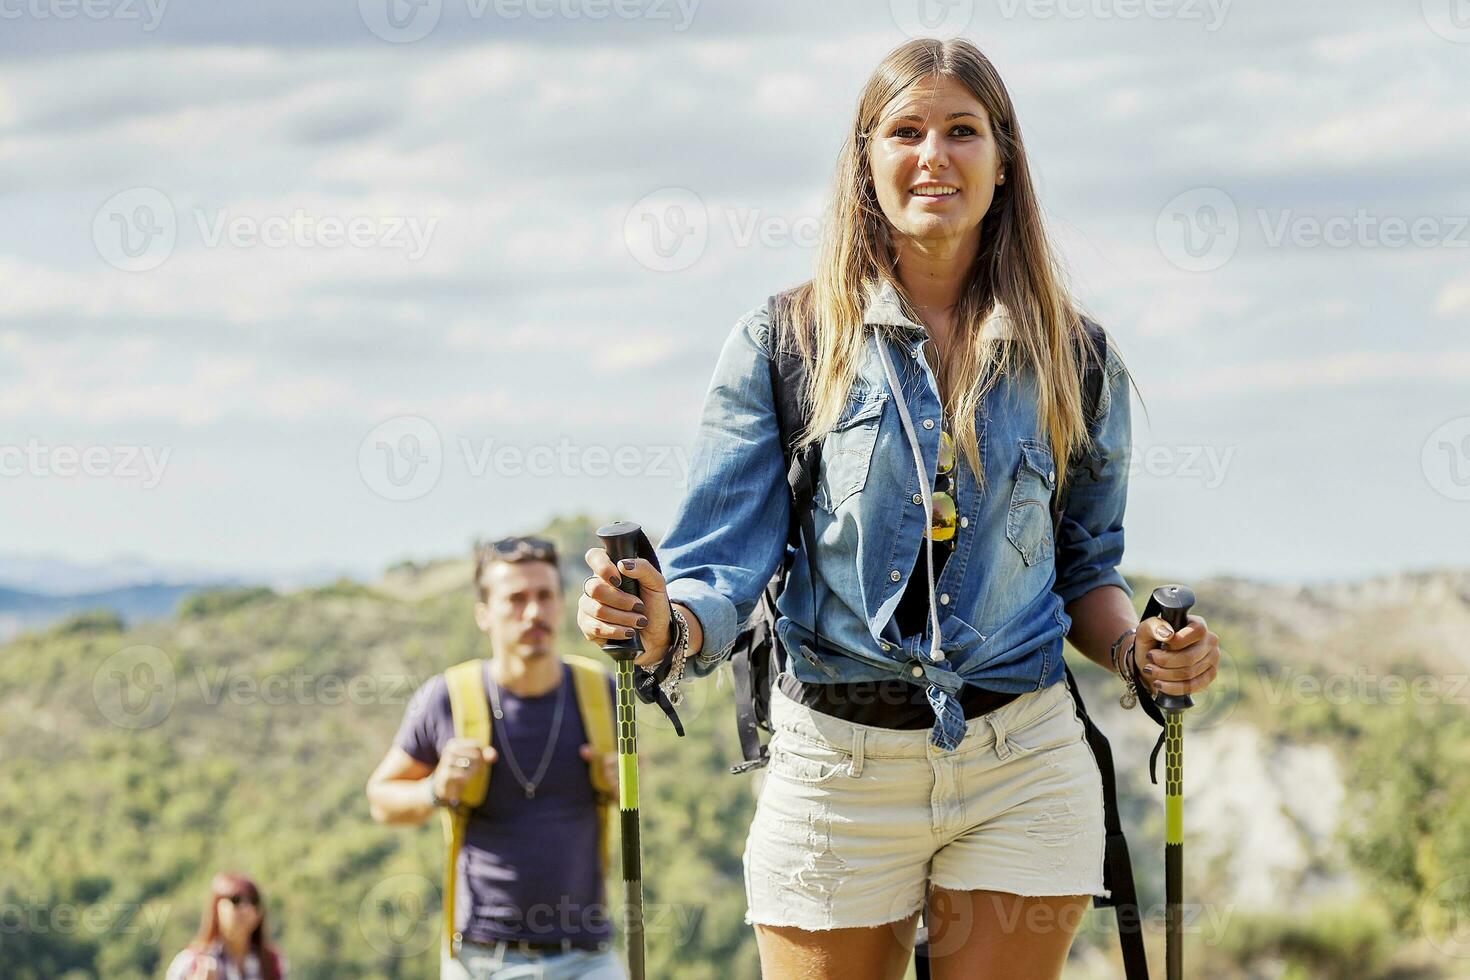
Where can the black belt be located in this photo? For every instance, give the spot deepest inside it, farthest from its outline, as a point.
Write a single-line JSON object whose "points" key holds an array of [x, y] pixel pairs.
{"points": [[535, 947]]}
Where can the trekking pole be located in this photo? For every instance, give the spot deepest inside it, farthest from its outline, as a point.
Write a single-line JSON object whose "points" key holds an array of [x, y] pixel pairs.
{"points": [[1171, 603], [621, 541]]}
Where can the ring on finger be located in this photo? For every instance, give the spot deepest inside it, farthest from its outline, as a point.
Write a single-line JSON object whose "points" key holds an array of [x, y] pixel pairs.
{"points": [[463, 763]]}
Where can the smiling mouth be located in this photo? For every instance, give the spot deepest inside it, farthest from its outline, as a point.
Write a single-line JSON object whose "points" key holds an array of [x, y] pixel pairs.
{"points": [[935, 191]]}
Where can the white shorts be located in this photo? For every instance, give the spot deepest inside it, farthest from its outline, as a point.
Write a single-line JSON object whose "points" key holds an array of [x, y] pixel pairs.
{"points": [[854, 822]]}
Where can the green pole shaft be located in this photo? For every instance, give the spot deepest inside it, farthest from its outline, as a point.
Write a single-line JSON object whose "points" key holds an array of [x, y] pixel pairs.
{"points": [[1174, 844], [628, 813]]}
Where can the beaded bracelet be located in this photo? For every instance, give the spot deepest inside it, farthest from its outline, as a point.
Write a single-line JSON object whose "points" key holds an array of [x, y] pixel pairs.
{"points": [[678, 652], [1129, 697]]}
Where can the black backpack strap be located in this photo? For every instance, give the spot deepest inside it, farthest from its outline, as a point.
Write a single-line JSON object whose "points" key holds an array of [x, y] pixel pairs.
{"points": [[1117, 865], [788, 384]]}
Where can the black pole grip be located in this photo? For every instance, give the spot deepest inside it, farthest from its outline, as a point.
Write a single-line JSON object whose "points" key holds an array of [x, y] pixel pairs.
{"points": [[620, 539], [1171, 603]]}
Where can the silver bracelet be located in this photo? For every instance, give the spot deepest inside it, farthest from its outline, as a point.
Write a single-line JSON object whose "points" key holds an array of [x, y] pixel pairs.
{"points": [[679, 651], [1129, 697]]}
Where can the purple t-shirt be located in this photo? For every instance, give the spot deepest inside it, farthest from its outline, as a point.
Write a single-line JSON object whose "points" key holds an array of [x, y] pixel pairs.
{"points": [[529, 868]]}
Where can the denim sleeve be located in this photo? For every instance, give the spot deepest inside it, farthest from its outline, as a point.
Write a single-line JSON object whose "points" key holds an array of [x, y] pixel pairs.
{"points": [[1090, 539], [729, 532]]}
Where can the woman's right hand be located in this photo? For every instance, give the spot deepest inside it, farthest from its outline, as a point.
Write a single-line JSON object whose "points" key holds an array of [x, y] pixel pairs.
{"points": [[205, 968], [606, 612]]}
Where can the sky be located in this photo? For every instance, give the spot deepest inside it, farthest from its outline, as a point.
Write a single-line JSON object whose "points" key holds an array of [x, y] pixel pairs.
{"points": [[289, 285]]}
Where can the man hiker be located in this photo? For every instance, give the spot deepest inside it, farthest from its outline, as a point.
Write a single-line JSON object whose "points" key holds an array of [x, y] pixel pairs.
{"points": [[517, 752]]}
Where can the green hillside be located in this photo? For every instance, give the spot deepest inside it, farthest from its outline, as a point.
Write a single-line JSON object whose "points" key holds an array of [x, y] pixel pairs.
{"points": [[135, 763]]}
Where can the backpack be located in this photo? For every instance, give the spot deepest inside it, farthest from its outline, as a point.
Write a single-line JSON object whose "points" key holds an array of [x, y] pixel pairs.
{"points": [[758, 655], [469, 706]]}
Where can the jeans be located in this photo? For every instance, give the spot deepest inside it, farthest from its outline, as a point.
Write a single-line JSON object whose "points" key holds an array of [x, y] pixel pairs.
{"points": [[479, 962]]}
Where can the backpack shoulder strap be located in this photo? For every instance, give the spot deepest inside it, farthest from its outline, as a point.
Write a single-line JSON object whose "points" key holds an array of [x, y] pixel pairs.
{"points": [[758, 654], [471, 713], [593, 685], [591, 681], [788, 386]]}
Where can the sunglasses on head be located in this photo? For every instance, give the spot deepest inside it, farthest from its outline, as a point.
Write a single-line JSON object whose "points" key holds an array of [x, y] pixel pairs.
{"points": [[521, 549], [241, 900]]}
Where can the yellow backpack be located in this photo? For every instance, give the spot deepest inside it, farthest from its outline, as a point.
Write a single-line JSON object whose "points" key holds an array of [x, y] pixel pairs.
{"points": [[469, 704]]}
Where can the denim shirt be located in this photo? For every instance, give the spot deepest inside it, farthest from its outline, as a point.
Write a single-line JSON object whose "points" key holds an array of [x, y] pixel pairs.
{"points": [[1001, 594]]}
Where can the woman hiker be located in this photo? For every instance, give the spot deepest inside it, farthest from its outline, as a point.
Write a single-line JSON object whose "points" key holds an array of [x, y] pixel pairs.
{"points": [[926, 749], [233, 942]]}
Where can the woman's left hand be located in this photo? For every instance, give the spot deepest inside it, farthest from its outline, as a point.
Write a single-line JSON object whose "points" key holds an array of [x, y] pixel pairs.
{"points": [[1176, 663]]}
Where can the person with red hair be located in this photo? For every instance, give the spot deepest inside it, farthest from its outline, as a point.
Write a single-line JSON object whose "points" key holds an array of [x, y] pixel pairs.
{"points": [[232, 942]]}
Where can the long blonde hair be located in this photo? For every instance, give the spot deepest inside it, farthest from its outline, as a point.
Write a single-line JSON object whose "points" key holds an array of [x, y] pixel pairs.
{"points": [[1014, 266]]}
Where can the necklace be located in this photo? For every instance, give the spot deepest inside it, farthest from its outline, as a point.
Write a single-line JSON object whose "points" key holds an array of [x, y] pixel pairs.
{"points": [[510, 758]]}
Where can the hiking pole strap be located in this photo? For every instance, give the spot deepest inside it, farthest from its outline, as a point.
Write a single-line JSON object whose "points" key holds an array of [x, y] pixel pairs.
{"points": [[1117, 864]]}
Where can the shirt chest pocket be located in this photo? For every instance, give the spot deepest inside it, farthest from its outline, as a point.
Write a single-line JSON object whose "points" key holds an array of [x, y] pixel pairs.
{"points": [[847, 452], [1028, 524]]}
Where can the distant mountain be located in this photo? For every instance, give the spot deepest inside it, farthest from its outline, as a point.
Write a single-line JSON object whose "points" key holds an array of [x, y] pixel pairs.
{"points": [[38, 590], [50, 575], [134, 603]]}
